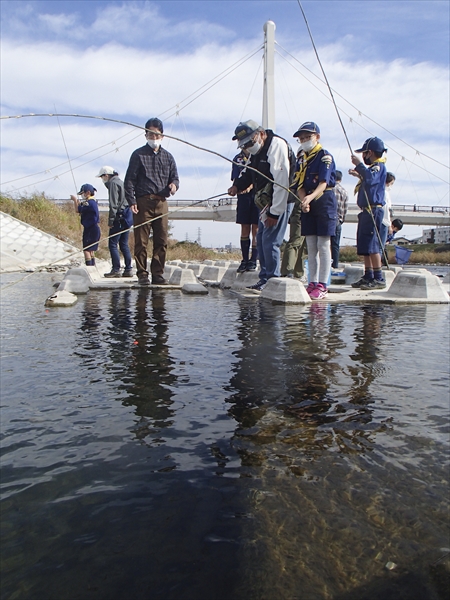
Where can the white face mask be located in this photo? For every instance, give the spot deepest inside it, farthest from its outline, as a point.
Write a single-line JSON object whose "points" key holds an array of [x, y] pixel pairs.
{"points": [[309, 145], [154, 144], [255, 148]]}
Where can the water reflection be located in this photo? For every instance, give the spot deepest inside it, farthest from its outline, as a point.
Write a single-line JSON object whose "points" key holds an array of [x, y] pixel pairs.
{"points": [[208, 447]]}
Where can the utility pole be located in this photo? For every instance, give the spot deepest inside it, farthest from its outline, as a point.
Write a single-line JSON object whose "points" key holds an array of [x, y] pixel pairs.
{"points": [[268, 112]]}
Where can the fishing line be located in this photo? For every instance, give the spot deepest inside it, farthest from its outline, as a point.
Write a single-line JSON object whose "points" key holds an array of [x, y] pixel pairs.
{"points": [[369, 208], [355, 108], [113, 143], [67, 152], [324, 75]]}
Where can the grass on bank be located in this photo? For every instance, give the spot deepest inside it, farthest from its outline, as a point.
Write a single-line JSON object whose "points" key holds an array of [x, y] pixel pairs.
{"points": [[61, 221]]}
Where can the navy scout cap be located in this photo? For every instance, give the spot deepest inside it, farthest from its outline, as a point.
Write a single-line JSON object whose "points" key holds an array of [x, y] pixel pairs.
{"points": [[308, 126], [87, 187], [374, 144], [244, 132]]}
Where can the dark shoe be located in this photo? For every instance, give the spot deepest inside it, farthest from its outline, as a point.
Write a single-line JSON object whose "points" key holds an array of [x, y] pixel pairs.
{"points": [[242, 267], [112, 274], [257, 287], [251, 266], [127, 273], [359, 283], [143, 280], [375, 284], [158, 280]]}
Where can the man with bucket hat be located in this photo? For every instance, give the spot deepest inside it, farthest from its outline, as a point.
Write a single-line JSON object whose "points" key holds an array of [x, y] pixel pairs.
{"points": [[370, 192], [272, 165]]}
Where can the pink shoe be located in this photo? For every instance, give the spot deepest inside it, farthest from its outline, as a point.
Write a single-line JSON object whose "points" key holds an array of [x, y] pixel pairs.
{"points": [[310, 287], [319, 292]]}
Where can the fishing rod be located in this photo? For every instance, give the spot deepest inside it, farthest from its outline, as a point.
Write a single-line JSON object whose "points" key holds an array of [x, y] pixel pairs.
{"points": [[104, 239], [111, 236], [171, 137], [369, 209]]}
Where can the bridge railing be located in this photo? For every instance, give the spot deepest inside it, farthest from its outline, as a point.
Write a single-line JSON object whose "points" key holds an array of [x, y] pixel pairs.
{"points": [[229, 201]]}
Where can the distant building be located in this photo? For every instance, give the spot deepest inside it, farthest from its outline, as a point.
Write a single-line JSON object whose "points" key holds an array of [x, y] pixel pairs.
{"points": [[437, 235], [401, 241]]}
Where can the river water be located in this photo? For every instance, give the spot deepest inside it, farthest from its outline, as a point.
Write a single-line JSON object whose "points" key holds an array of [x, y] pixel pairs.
{"points": [[163, 446]]}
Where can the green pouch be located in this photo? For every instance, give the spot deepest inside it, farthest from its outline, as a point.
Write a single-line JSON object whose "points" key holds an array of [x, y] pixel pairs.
{"points": [[264, 196]]}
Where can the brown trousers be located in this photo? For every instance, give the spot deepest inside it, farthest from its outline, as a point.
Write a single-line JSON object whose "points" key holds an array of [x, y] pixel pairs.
{"points": [[148, 209]]}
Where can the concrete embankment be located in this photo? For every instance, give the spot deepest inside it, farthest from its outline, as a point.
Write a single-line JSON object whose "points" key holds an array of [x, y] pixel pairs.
{"points": [[23, 247]]}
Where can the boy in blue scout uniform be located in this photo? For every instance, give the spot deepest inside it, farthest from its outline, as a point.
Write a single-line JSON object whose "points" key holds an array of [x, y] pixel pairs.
{"points": [[247, 215], [314, 180], [90, 218], [370, 199]]}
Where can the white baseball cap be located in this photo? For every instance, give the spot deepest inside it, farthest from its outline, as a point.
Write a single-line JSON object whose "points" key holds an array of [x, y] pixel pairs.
{"points": [[106, 171]]}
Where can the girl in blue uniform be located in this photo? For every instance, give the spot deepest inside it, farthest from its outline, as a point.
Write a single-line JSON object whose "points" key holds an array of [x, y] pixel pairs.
{"points": [[314, 181], [88, 210]]}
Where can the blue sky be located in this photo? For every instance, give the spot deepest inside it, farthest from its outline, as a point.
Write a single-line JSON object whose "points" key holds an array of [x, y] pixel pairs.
{"points": [[132, 60]]}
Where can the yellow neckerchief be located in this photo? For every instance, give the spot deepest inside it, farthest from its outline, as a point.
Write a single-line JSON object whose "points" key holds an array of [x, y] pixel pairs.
{"points": [[299, 176], [378, 160]]}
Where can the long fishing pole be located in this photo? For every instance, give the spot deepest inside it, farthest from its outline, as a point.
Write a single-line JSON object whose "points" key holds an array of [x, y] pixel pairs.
{"points": [[111, 236], [104, 239], [369, 209], [171, 137]]}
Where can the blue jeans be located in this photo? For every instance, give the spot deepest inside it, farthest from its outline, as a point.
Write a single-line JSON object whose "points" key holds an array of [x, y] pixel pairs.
{"points": [[335, 244], [120, 241], [269, 240]]}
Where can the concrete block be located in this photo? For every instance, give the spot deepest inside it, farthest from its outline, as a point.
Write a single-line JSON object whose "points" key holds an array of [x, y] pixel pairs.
{"points": [[222, 263], [182, 276], [418, 284], [353, 273], [393, 269], [229, 278], [446, 279], [76, 281], [169, 269], [194, 288], [212, 273], [285, 291], [61, 298], [244, 280], [197, 268], [208, 262]]}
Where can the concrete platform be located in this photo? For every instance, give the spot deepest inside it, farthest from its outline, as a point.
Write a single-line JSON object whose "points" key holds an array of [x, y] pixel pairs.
{"points": [[417, 286]]}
